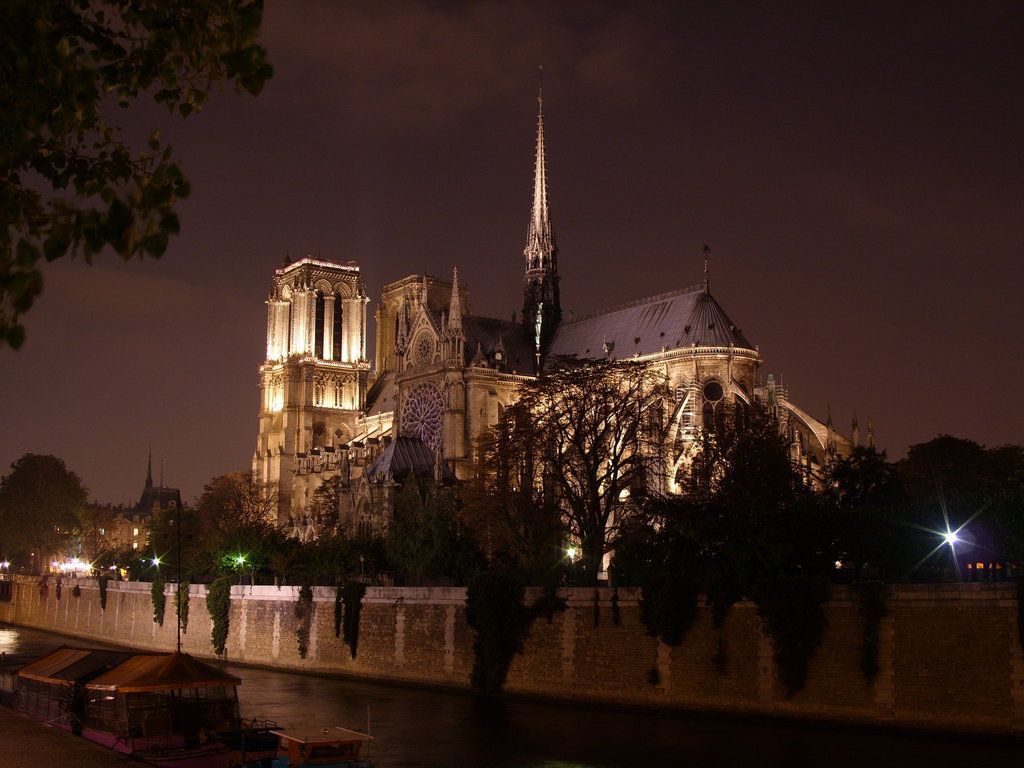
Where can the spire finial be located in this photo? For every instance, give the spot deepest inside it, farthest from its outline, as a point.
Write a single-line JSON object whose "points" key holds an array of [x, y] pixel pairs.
{"points": [[706, 250], [149, 469], [423, 294]]}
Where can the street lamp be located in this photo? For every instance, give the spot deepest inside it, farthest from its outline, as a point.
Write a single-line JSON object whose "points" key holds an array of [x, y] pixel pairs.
{"points": [[240, 564], [951, 538]]}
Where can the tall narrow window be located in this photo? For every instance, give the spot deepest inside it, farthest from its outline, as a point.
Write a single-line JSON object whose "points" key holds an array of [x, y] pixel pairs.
{"points": [[318, 344], [337, 327]]}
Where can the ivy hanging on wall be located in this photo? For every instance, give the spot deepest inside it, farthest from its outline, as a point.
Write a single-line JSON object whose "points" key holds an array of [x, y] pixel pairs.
{"points": [[353, 605], [76, 591], [616, 612], [494, 608], [597, 608], [218, 603], [44, 587], [793, 611], [304, 614], [339, 592], [156, 591], [182, 598], [872, 609], [1020, 612], [668, 608], [101, 583], [59, 587]]}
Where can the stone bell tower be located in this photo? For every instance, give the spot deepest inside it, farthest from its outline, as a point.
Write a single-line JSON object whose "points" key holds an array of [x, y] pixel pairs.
{"points": [[313, 381]]}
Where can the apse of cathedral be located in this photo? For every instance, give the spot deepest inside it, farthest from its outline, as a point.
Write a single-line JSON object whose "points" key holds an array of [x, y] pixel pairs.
{"points": [[442, 375]]}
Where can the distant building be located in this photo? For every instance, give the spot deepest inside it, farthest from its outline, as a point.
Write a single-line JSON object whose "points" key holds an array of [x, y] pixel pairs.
{"points": [[128, 526], [443, 375]]}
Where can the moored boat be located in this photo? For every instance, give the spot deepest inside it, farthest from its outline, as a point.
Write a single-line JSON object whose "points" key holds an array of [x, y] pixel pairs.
{"points": [[327, 748], [169, 709]]}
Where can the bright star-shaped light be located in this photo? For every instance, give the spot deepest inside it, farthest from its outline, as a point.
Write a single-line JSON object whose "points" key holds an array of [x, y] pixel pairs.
{"points": [[156, 560], [951, 538], [571, 553], [240, 560]]}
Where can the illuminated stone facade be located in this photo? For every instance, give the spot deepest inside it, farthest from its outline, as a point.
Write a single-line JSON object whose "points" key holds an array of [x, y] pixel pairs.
{"points": [[313, 382], [443, 375]]}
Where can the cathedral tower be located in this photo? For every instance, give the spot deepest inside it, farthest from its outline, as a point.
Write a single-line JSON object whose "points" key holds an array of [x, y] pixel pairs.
{"points": [[542, 309], [313, 382]]}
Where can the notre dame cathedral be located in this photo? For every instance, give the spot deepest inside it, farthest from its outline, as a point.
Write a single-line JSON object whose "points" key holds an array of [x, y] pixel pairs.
{"points": [[442, 375]]}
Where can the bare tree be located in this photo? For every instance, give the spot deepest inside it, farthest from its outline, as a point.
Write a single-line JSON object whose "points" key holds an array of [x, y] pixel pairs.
{"points": [[585, 436], [236, 500]]}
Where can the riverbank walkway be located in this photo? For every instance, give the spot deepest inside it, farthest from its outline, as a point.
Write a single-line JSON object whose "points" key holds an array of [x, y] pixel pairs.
{"points": [[25, 743]]}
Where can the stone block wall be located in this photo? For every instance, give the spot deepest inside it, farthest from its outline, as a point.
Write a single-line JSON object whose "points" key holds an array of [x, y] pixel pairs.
{"points": [[950, 657]]}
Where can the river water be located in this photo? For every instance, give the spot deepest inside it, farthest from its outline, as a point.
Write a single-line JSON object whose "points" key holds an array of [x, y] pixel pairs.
{"points": [[416, 728]]}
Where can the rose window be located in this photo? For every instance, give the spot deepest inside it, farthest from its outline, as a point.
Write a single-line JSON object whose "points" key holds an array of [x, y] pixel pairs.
{"points": [[423, 350], [422, 415]]}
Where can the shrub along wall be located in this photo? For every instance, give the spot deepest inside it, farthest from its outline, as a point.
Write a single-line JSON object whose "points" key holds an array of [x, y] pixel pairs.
{"points": [[948, 656]]}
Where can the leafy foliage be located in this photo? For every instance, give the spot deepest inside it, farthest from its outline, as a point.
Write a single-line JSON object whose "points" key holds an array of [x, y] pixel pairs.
{"points": [[218, 603], [182, 598], [425, 540], [41, 502], [792, 608], [872, 610], [668, 608], [69, 184], [495, 609], [353, 600], [156, 591], [101, 583], [339, 609], [304, 614]]}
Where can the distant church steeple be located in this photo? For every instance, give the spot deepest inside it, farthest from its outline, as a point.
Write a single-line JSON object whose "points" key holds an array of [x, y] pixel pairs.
{"points": [[149, 470], [542, 307]]}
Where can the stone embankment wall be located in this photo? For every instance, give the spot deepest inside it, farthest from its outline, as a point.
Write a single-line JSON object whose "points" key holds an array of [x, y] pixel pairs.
{"points": [[950, 655]]}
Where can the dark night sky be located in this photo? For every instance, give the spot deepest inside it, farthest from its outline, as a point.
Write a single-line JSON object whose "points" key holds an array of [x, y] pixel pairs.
{"points": [[857, 169]]}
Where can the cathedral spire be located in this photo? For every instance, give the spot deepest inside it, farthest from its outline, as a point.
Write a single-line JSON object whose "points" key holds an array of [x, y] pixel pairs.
{"points": [[542, 309], [540, 236], [455, 305], [149, 470]]}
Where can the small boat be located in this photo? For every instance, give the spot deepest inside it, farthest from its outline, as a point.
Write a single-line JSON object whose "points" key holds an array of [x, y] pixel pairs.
{"points": [[327, 748], [168, 709]]}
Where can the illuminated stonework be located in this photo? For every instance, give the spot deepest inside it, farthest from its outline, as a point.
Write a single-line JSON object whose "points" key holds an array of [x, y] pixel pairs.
{"points": [[422, 414], [313, 382]]}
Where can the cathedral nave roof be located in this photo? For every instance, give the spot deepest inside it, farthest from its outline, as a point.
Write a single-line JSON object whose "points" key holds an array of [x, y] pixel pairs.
{"points": [[674, 320]]}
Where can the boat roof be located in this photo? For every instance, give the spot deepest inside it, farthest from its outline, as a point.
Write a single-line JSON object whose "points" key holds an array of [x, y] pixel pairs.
{"points": [[331, 735], [160, 673], [68, 664]]}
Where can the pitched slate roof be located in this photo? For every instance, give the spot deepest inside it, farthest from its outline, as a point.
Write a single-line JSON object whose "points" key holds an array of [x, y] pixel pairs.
{"points": [[515, 337], [404, 456], [674, 320]]}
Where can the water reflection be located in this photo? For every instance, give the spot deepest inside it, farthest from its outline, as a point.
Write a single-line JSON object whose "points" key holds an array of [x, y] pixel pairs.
{"points": [[417, 728]]}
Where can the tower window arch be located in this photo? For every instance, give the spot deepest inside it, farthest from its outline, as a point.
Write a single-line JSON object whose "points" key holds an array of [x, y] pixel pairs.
{"points": [[318, 344]]}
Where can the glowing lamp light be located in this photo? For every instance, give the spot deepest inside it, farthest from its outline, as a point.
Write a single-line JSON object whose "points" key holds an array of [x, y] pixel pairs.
{"points": [[156, 560], [5, 564], [240, 560], [951, 538], [571, 553]]}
